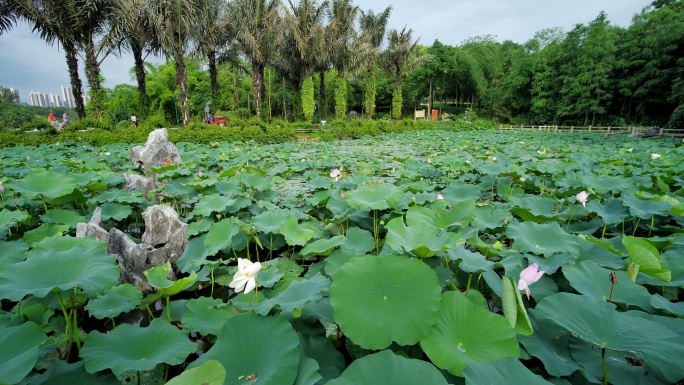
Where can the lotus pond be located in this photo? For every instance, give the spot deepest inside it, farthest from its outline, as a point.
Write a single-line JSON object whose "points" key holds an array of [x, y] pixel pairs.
{"points": [[400, 259]]}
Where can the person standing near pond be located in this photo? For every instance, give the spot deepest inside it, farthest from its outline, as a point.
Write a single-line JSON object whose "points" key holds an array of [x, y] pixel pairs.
{"points": [[134, 119], [65, 118], [51, 117]]}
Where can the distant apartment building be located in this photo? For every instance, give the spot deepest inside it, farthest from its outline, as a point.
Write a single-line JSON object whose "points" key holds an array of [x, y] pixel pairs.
{"points": [[54, 100], [39, 99], [68, 97]]}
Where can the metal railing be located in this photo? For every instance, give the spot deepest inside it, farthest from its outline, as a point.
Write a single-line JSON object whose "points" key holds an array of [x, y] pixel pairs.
{"points": [[634, 131]]}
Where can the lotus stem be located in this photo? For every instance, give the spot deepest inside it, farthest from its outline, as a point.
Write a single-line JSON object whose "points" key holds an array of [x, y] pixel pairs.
{"points": [[636, 226], [44, 204], [652, 223], [569, 220], [376, 230], [605, 366], [149, 313], [66, 319], [603, 233], [75, 331], [168, 309], [470, 278], [212, 283]]}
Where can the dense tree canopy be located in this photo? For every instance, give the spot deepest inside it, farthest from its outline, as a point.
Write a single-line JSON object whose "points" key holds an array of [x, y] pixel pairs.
{"points": [[247, 50]]}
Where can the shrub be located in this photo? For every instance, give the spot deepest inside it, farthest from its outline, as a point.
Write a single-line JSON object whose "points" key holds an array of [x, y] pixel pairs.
{"points": [[36, 124], [88, 124], [243, 113], [676, 120], [195, 126], [153, 122]]}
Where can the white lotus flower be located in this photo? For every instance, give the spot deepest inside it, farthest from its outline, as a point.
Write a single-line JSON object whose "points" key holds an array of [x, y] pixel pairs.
{"points": [[655, 156], [245, 278], [439, 197], [528, 277], [582, 198]]}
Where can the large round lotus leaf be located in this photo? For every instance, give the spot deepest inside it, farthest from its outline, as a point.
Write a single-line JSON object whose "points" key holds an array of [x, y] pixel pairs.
{"points": [[644, 254], [63, 373], [116, 211], [442, 214], [156, 277], [591, 280], [20, 350], [378, 300], [117, 300], [644, 208], [386, 367], [43, 231], [221, 234], [295, 233], [295, 296], [323, 246], [488, 217], [374, 196], [194, 255], [545, 239], [48, 184], [507, 371], [209, 373], [206, 315], [81, 262], [67, 217], [465, 333], [611, 211], [601, 324], [9, 218], [269, 221], [212, 204], [359, 241], [421, 240], [132, 347], [253, 346]]}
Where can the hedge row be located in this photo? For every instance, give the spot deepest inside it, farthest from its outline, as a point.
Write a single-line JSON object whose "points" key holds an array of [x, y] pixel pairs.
{"points": [[258, 131]]}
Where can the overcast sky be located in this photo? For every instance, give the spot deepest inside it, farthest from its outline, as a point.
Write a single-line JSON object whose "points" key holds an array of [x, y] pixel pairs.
{"points": [[29, 64]]}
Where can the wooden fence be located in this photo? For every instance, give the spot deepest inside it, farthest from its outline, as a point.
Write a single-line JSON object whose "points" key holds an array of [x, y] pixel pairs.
{"points": [[631, 130]]}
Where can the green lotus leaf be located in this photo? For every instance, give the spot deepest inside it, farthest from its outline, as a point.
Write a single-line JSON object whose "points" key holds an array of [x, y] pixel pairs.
{"points": [[255, 180], [295, 296], [199, 227], [553, 353], [116, 211], [642, 253], [374, 196], [591, 280], [9, 218], [73, 262], [46, 230], [470, 262], [20, 352], [509, 371], [545, 239], [209, 373], [359, 241], [253, 346], [48, 184], [131, 347], [116, 300], [611, 211], [603, 184], [67, 217], [644, 208], [270, 221], [177, 188], [156, 277], [465, 333], [194, 255], [14, 251], [513, 307], [534, 208], [442, 214], [323, 247], [64, 373], [423, 241], [295, 234], [209, 204], [307, 372], [660, 302], [599, 323], [488, 217], [221, 235], [386, 367], [270, 273], [458, 191], [206, 315], [378, 300], [317, 346]]}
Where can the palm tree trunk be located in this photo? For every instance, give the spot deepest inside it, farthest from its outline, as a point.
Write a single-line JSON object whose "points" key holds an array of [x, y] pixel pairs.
{"points": [[182, 81], [76, 85], [143, 98], [92, 69], [213, 74], [324, 100], [258, 85]]}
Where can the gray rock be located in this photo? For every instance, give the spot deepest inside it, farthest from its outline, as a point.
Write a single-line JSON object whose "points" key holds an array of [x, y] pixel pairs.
{"points": [[93, 227], [164, 228], [158, 151], [141, 183]]}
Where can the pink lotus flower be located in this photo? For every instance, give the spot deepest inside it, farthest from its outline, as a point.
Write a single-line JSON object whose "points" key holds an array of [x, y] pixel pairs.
{"points": [[2, 188], [237, 172], [440, 197], [200, 174], [429, 160], [528, 277], [582, 198], [342, 194], [335, 174]]}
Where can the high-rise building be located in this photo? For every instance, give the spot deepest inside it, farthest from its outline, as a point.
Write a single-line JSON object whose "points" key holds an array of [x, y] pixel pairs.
{"points": [[55, 101], [68, 97], [39, 99]]}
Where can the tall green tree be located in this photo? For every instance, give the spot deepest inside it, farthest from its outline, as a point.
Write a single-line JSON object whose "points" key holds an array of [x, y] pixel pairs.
{"points": [[343, 54], [399, 59], [258, 34], [213, 34], [373, 28]]}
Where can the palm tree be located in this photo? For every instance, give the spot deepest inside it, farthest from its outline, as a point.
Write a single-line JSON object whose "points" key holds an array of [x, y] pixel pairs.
{"points": [[342, 15], [213, 34], [7, 16], [56, 21], [258, 33], [173, 22], [303, 46], [372, 33], [400, 58]]}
